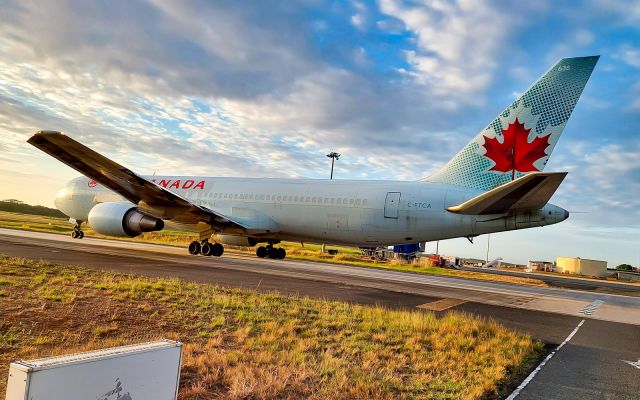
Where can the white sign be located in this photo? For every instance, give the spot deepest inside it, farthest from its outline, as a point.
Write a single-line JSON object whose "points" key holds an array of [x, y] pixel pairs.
{"points": [[148, 371]]}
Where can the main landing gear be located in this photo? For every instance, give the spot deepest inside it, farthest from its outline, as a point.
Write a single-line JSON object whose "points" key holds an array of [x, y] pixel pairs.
{"points": [[271, 252], [205, 248], [77, 232]]}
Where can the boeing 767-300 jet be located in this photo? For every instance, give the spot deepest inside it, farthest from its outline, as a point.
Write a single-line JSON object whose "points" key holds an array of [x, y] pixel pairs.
{"points": [[494, 184]]}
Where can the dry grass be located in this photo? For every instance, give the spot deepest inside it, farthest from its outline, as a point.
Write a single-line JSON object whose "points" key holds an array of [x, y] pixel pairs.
{"points": [[246, 345], [307, 252]]}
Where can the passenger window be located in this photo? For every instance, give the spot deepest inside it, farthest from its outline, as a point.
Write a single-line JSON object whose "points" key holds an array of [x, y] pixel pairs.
{"points": [[357, 202], [364, 202], [351, 202]]}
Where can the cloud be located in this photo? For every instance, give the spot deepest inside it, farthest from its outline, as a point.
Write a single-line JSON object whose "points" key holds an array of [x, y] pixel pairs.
{"points": [[219, 88], [623, 11], [629, 54], [602, 181], [458, 43]]}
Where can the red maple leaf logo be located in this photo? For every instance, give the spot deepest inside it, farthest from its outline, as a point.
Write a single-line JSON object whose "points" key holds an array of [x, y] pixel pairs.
{"points": [[515, 151]]}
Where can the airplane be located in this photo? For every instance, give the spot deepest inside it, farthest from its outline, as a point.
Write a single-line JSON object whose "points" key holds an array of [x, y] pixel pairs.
{"points": [[492, 264], [495, 183]]}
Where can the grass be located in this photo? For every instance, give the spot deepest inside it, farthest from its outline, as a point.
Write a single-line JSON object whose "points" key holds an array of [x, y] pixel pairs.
{"points": [[308, 252], [246, 345]]}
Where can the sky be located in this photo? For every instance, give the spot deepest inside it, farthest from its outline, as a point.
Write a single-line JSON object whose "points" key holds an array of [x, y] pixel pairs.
{"points": [[268, 88]]}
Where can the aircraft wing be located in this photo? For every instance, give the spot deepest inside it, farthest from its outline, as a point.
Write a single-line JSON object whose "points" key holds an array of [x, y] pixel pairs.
{"points": [[530, 191], [153, 198]]}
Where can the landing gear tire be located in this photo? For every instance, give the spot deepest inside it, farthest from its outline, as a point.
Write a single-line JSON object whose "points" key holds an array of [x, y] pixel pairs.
{"points": [[77, 231], [262, 252], [207, 249], [218, 249], [194, 248], [215, 249], [273, 253]]}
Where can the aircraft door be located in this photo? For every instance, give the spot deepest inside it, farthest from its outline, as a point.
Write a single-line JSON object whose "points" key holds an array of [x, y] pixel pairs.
{"points": [[391, 204]]}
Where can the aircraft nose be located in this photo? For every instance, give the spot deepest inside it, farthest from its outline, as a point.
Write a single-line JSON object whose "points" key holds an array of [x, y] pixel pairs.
{"points": [[61, 199], [561, 213]]}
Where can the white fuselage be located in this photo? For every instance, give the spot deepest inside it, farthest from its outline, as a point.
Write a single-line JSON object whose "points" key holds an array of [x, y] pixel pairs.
{"points": [[365, 213]]}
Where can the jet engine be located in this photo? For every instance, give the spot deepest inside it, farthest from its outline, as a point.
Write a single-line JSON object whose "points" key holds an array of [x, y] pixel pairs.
{"points": [[122, 219], [234, 240]]}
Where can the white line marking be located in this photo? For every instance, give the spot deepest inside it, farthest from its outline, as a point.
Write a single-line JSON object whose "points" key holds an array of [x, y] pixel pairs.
{"points": [[591, 308], [542, 364], [633, 364]]}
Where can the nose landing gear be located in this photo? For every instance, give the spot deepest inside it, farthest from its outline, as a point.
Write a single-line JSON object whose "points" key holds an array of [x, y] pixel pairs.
{"points": [[77, 233]]}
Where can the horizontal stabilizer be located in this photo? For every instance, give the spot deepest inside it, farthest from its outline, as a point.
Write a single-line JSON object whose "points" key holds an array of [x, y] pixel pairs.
{"points": [[530, 191]]}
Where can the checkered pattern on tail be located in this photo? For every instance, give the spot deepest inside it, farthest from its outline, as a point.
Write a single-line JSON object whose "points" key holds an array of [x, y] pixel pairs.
{"points": [[543, 109]]}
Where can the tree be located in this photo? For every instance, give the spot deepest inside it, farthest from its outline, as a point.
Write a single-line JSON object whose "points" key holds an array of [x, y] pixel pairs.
{"points": [[624, 267]]}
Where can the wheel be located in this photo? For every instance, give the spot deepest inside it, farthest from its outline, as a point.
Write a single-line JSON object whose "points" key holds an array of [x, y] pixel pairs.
{"points": [[80, 234], [280, 253], [262, 252], [194, 248], [207, 249], [217, 249], [74, 234], [272, 252]]}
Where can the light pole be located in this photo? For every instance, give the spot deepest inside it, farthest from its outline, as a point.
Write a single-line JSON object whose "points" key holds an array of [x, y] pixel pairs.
{"points": [[333, 156], [488, 240]]}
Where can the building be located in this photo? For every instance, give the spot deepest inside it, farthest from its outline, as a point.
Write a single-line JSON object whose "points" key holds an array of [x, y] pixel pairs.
{"points": [[628, 276], [581, 266], [546, 266]]}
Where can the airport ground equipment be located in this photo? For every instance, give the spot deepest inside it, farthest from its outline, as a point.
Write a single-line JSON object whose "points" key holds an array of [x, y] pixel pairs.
{"points": [[147, 371]]}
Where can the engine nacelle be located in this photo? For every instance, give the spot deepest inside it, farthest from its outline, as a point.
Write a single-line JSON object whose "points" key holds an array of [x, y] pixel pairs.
{"points": [[234, 240], [122, 219]]}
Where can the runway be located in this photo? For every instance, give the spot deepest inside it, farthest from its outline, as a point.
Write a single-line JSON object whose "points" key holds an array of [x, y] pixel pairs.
{"points": [[597, 362], [569, 282]]}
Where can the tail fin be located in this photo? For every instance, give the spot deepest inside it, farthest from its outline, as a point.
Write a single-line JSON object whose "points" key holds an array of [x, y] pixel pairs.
{"points": [[521, 139]]}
